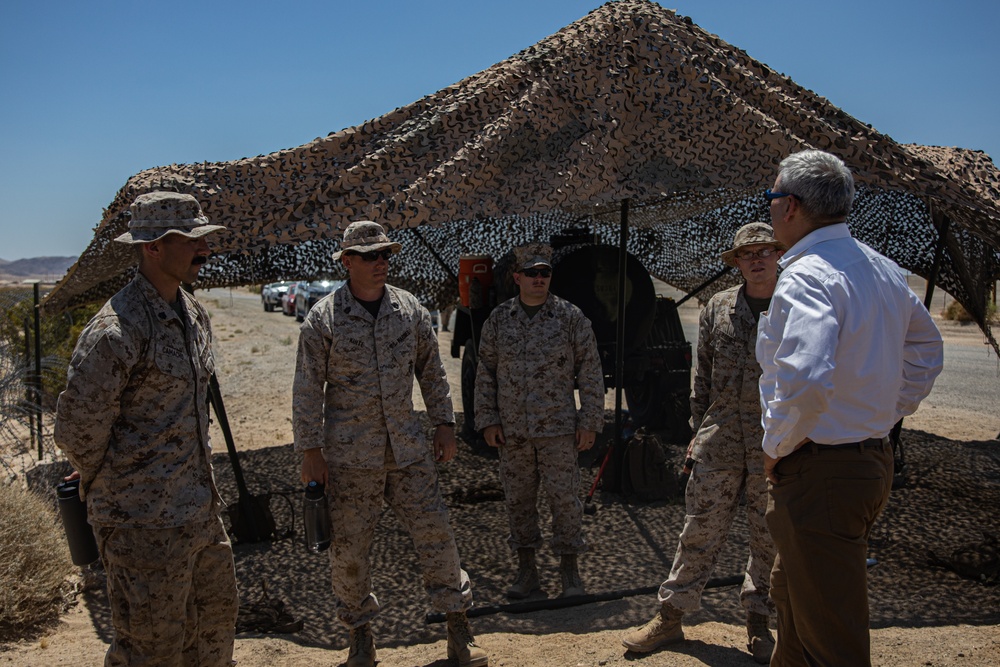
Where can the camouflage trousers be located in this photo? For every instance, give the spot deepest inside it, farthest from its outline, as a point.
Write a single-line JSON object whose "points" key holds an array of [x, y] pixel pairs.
{"points": [[356, 496], [712, 498], [172, 593], [526, 464]]}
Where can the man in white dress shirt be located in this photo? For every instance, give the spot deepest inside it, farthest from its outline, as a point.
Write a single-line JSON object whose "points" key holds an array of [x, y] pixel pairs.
{"points": [[847, 350]]}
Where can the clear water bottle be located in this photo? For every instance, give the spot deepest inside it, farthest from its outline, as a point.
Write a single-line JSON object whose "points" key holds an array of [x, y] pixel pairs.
{"points": [[316, 518]]}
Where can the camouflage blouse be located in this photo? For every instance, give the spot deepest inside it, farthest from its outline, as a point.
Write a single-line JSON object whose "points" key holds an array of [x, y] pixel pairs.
{"points": [[529, 367], [134, 416], [725, 404], [354, 374]]}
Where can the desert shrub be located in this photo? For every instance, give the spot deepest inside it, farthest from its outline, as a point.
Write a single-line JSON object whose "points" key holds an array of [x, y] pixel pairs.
{"points": [[58, 337], [34, 563], [956, 311]]}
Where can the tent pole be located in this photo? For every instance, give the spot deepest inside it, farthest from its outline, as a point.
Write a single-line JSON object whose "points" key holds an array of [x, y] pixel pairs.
{"points": [[705, 284], [528, 606], [620, 329]]}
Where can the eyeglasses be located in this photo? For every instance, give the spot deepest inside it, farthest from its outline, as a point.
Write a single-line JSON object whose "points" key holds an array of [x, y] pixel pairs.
{"points": [[771, 196], [373, 255], [534, 273], [755, 254]]}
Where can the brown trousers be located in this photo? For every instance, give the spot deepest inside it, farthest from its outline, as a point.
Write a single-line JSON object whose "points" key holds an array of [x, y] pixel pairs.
{"points": [[530, 464], [820, 514], [413, 493], [172, 593]]}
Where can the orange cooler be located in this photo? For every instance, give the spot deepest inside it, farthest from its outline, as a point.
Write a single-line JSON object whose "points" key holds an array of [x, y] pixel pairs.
{"points": [[478, 268]]}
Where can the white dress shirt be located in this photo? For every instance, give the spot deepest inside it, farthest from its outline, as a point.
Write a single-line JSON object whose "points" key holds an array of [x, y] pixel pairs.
{"points": [[846, 347]]}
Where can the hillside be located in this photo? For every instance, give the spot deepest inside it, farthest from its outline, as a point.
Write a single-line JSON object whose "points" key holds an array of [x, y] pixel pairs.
{"points": [[35, 268]]}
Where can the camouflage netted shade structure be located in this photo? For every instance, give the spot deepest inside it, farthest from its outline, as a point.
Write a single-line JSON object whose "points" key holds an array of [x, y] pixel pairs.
{"points": [[631, 102]]}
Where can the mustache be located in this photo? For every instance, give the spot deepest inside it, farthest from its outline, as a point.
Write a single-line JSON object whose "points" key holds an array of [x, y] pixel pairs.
{"points": [[199, 260]]}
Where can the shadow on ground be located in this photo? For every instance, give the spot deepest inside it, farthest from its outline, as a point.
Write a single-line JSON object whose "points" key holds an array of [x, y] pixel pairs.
{"points": [[948, 502]]}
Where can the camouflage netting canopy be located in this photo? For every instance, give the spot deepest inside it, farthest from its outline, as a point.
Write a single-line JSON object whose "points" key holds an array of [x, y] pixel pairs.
{"points": [[632, 102]]}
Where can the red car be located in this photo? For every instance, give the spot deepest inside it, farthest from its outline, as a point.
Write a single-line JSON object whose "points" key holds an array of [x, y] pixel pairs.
{"points": [[288, 300]]}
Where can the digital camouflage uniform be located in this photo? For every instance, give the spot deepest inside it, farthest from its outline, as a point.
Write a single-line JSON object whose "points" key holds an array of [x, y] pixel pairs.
{"points": [[133, 421], [528, 368], [725, 412], [352, 396]]}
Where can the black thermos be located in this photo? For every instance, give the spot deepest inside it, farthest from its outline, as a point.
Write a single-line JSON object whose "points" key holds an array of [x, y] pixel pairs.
{"points": [[316, 518], [79, 534]]}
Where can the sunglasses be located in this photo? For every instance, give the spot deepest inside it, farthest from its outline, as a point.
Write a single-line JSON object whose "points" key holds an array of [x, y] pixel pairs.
{"points": [[534, 273], [755, 254], [769, 195], [373, 255]]}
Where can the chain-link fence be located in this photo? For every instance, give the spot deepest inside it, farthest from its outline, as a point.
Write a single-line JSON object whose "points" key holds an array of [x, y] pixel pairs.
{"points": [[32, 373]]}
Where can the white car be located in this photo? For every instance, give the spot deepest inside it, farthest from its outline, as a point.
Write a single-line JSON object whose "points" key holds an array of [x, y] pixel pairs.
{"points": [[270, 294]]}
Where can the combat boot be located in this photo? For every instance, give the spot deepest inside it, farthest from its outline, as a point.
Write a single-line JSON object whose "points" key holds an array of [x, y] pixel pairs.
{"points": [[572, 584], [665, 628], [760, 642], [362, 650], [526, 582], [461, 644]]}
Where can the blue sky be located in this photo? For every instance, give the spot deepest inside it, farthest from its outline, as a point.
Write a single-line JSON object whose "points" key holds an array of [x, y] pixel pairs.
{"points": [[94, 92]]}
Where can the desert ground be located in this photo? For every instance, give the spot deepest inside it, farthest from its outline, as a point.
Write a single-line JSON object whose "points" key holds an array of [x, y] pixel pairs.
{"points": [[922, 613]]}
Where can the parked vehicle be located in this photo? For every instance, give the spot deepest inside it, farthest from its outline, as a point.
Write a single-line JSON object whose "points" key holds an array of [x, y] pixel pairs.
{"points": [[288, 300], [435, 317], [308, 293], [271, 293]]}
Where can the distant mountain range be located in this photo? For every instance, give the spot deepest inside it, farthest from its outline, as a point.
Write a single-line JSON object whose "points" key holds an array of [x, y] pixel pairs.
{"points": [[35, 268]]}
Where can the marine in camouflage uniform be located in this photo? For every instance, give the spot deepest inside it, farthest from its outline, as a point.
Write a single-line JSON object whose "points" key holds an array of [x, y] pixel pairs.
{"points": [[133, 421], [535, 349], [726, 448], [353, 419]]}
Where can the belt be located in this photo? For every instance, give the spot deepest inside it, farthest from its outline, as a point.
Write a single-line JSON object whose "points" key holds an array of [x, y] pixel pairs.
{"points": [[860, 446]]}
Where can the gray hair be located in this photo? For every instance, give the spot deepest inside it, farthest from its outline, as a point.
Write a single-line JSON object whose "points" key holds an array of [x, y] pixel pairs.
{"points": [[822, 183]]}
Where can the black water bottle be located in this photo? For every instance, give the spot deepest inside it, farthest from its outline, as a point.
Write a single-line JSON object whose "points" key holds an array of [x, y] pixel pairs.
{"points": [[685, 475], [316, 518], [79, 533]]}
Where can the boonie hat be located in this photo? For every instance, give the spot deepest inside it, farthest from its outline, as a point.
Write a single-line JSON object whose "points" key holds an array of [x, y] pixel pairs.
{"points": [[156, 214], [755, 233], [532, 255], [363, 236]]}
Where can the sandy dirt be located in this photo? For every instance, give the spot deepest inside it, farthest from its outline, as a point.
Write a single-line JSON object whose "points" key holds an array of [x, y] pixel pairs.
{"points": [[922, 614]]}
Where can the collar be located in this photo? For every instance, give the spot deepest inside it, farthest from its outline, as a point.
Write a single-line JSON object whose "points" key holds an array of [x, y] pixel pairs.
{"points": [[344, 300], [837, 230], [162, 309], [740, 310], [515, 306]]}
